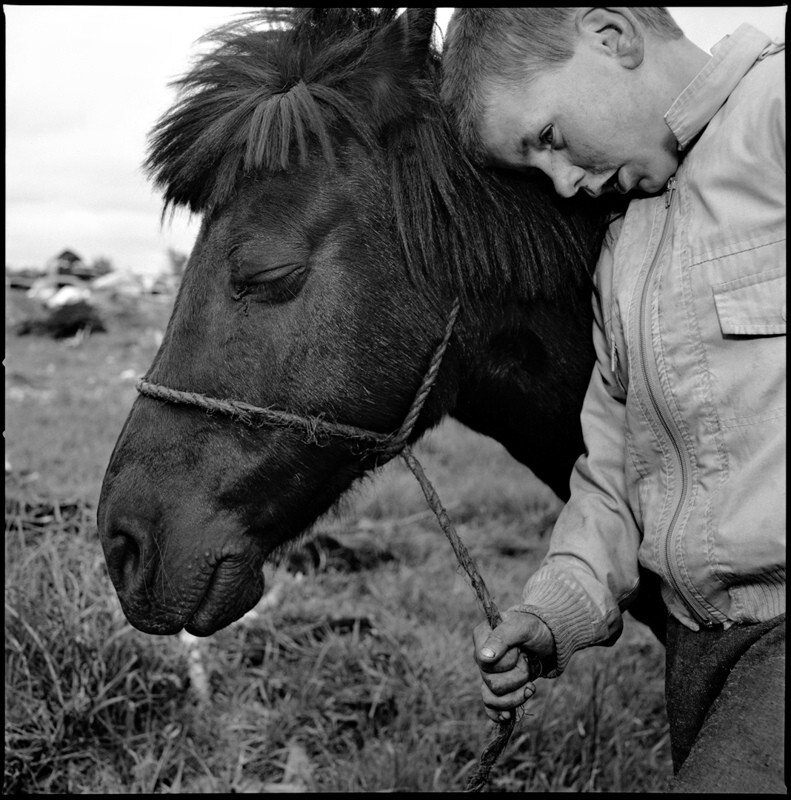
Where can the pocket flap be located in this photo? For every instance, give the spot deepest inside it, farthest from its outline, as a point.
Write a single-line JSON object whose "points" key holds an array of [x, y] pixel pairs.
{"points": [[754, 305]]}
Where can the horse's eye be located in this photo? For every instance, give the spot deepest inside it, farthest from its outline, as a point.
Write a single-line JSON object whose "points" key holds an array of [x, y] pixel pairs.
{"points": [[276, 284]]}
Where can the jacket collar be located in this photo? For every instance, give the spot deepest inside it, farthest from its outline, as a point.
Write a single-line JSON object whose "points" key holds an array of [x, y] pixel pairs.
{"points": [[730, 61]]}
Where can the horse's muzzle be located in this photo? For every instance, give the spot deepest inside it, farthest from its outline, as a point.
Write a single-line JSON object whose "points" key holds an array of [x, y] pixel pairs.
{"points": [[165, 589]]}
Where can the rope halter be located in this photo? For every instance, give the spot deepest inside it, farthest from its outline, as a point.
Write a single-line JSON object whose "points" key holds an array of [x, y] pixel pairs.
{"points": [[316, 426]]}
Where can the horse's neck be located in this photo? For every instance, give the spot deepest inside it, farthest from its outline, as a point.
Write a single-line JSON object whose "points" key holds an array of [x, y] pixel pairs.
{"points": [[525, 387]]}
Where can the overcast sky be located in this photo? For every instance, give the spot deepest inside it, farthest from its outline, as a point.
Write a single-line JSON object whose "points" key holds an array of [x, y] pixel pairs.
{"points": [[84, 85]]}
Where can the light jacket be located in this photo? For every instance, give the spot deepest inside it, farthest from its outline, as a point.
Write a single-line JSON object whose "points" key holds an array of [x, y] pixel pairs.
{"points": [[684, 418]]}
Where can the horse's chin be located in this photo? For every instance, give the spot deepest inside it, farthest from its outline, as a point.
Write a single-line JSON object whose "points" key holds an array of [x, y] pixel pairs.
{"points": [[222, 605], [230, 593], [233, 588]]}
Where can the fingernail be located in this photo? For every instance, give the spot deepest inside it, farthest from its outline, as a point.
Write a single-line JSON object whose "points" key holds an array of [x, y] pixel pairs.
{"points": [[487, 652], [530, 690]]}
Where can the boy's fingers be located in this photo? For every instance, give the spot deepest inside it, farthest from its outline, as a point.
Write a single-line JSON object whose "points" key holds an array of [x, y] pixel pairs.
{"points": [[506, 681], [498, 705]]}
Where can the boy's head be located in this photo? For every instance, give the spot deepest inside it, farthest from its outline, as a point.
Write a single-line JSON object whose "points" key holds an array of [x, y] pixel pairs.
{"points": [[577, 93]]}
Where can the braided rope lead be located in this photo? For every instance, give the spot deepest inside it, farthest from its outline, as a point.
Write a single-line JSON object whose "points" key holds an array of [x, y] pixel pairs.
{"points": [[480, 778], [386, 446], [401, 437], [502, 734]]}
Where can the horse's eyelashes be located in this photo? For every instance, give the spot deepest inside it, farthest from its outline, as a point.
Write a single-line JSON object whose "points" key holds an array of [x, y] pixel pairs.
{"points": [[276, 273], [272, 285]]}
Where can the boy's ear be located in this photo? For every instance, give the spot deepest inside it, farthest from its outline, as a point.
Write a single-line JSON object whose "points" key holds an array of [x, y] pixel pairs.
{"points": [[616, 31]]}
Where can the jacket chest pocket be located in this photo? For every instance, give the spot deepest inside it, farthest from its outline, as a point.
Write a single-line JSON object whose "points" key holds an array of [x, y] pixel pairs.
{"points": [[754, 305], [747, 351]]}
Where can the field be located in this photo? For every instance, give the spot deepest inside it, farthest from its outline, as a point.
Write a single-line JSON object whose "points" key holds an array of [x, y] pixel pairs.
{"points": [[355, 674]]}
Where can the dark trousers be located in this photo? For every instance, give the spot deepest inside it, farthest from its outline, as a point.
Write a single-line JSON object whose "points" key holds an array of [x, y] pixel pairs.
{"points": [[725, 696]]}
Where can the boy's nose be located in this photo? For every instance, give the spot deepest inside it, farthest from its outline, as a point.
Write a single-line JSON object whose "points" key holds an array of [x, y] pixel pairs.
{"points": [[597, 185], [567, 179]]}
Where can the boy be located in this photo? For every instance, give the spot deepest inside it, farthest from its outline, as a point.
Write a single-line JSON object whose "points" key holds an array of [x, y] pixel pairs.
{"points": [[684, 419]]}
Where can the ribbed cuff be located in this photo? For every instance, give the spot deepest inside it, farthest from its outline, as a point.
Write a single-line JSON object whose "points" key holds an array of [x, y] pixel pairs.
{"points": [[567, 612], [761, 600]]}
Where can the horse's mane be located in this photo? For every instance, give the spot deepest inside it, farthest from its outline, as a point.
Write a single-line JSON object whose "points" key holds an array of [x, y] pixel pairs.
{"points": [[270, 95]]}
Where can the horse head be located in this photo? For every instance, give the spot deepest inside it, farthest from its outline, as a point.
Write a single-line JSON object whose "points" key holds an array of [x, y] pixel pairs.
{"points": [[341, 223]]}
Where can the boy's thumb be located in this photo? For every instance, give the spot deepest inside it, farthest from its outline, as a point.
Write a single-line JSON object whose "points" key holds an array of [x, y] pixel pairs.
{"points": [[498, 642], [516, 629], [488, 652]]}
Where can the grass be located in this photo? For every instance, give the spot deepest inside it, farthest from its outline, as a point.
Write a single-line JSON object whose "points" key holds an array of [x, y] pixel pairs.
{"points": [[354, 676]]}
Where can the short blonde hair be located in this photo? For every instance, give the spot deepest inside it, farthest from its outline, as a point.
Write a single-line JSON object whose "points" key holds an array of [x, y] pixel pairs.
{"points": [[508, 47]]}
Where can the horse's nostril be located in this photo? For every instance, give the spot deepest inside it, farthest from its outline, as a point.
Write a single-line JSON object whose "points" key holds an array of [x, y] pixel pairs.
{"points": [[123, 557]]}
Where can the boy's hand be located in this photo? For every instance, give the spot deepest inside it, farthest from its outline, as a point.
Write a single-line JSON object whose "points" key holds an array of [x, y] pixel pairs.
{"points": [[502, 656]]}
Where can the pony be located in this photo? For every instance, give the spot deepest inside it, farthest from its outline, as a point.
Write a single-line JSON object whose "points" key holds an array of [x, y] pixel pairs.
{"points": [[345, 240]]}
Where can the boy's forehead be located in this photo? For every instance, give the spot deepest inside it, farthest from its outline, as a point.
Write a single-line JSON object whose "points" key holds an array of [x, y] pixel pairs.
{"points": [[503, 133], [512, 116]]}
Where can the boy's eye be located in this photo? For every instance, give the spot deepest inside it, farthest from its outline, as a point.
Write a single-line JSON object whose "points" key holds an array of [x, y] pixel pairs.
{"points": [[547, 136]]}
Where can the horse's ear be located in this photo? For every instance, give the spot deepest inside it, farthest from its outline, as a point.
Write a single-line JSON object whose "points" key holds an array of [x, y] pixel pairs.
{"points": [[418, 26], [398, 56], [410, 33]]}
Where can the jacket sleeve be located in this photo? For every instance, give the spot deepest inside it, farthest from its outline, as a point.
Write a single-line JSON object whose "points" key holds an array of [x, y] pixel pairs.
{"points": [[590, 571]]}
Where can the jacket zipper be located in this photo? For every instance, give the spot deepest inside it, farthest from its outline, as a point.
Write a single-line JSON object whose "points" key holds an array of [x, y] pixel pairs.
{"points": [[654, 391]]}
